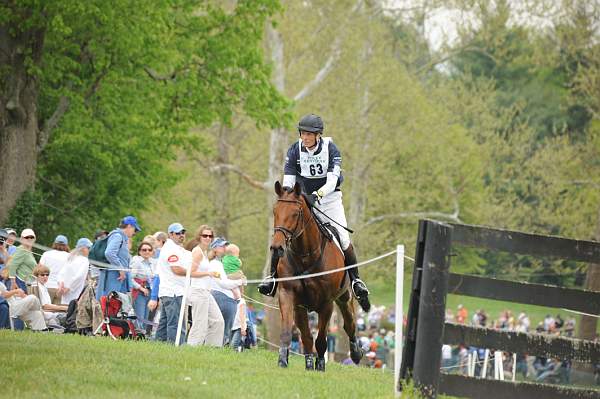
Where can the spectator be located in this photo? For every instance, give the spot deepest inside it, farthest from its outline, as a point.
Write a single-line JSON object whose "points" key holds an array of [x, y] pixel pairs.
{"points": [[208, 326], [143, 266], [161, 238], [548, 323], [25, 307], [51, 311], [22, 263], [461, 314], [73, 275], [10, 241], [220, 288], [231, 260], [3, 249], [446, 358], [54, 260], [117, 254], [239, 329], [204, 232]]}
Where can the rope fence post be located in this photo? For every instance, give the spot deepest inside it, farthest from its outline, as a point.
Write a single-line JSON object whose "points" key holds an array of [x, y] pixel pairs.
{"points": [[399, 318], [183, 305]]}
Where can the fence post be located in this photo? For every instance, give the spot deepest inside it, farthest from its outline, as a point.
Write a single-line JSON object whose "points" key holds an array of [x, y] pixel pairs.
{"points": [[432, 307]]}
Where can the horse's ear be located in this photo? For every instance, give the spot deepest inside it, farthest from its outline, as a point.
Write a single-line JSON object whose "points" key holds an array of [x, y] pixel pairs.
{"points": [[278, 189], [297, 189]]}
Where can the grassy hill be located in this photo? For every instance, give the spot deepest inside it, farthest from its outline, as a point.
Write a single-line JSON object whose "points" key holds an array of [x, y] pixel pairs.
{"points": [[38, 365]]}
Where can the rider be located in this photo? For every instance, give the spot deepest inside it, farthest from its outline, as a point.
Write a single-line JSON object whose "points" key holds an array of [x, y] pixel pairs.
{"points": [[315, 162]]}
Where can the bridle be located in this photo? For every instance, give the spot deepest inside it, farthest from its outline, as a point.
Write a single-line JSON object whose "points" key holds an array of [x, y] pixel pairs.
{"points": [[287, 233]]}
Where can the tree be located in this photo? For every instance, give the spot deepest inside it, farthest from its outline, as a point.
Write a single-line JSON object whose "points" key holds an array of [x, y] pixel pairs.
{"points": [[101, 94]]}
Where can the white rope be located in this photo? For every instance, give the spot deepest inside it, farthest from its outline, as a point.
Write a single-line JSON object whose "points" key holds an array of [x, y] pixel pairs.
{"points": [[277, 346], [325, 272], [583, 313], [260, 303]]}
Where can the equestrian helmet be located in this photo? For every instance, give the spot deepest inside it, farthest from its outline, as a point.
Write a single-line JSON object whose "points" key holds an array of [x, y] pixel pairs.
{"points": [[311, 123]]}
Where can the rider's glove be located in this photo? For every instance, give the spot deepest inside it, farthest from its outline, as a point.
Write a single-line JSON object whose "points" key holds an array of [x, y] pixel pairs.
{"points": [[313, 199]]}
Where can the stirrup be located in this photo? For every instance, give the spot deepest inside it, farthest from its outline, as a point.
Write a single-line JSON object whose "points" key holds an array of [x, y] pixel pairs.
{"points": [[362, 287], [267, 286]]}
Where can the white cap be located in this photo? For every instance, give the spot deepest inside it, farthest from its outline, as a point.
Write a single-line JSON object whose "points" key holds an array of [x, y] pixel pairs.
{"points": [[27, 233]]}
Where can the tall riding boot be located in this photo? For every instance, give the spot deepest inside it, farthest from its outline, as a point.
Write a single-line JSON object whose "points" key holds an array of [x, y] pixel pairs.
{"points": [[269, 285], [359, 288]]}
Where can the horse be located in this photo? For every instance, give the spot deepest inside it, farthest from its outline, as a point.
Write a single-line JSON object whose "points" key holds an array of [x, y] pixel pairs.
{"points": [[304, 248]]}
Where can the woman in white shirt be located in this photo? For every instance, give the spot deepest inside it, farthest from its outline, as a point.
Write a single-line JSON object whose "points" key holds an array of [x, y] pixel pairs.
{"points": [[54, 260], [73, 275], [50, 311]]}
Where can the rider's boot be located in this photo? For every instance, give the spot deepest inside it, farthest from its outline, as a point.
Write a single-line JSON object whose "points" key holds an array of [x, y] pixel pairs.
{"points": [[269, 285], [359, 288]]}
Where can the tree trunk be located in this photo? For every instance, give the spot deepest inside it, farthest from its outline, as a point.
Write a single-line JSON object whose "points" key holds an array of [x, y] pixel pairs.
{"points": [[278, 143], [222, 186], [19, 128]]}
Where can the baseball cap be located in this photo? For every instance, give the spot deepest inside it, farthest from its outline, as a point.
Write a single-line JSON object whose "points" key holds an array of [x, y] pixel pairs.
{"points": [[11, 231], [218, 242], [60, 239], [27, 232], [84, 242], [131, 221], [175, 228]]}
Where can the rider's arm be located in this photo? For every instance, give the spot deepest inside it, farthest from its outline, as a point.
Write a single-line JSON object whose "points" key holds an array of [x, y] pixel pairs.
{"points": [[290, 170]]}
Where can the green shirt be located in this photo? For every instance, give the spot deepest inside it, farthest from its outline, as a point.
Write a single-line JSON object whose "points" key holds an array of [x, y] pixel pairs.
{"points": [[231, 264], [22, 264]]}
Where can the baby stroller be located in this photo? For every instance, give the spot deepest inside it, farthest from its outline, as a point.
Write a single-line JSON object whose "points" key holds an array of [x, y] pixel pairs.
{"points": [[116, 322]]}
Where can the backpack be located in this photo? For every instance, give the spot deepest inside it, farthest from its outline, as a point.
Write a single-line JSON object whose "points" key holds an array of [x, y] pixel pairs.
{"points": [[69, 323], [98, 249]]}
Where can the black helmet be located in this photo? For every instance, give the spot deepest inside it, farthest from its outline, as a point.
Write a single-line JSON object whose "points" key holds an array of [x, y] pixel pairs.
{"points": [[311, 123]]}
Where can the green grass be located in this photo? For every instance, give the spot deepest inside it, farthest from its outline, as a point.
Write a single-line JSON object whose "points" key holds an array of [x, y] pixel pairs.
{"points": [[39, 365]]}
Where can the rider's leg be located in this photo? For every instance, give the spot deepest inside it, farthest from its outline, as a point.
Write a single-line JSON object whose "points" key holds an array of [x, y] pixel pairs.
{"points": [[268, 285], [359, 288]]}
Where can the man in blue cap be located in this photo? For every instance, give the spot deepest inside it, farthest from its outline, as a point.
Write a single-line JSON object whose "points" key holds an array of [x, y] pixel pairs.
{"points": [[117, 253]]}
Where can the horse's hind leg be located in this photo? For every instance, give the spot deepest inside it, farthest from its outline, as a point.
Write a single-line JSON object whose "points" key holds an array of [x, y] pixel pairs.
{"points": [[345, 304], [321, 343], [301, 318]]}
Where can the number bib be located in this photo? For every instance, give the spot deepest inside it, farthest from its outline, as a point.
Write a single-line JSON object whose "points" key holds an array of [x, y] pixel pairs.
{"points": [[315, 166]]}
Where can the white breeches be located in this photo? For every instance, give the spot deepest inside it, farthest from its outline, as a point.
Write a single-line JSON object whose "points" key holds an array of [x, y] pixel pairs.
{"points": [[332, 206]]}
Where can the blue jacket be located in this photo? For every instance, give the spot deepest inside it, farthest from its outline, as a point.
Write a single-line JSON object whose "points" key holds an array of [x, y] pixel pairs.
{"points": [[117, 254]]}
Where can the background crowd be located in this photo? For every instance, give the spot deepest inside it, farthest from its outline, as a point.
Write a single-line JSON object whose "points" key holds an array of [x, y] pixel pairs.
{"points": [[66, 288]]}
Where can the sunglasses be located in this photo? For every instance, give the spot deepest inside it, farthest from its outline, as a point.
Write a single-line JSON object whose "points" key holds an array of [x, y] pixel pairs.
{"points": [[146, 250], [44, 274], [29, 237], [206, 235], [182, 232]]}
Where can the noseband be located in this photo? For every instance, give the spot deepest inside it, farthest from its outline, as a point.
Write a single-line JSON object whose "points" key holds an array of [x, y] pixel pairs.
{"points": [[292, 234]]}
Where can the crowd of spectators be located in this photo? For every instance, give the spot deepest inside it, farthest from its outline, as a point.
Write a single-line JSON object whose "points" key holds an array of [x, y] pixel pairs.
{"points": [[40, 294], [535, 368]]}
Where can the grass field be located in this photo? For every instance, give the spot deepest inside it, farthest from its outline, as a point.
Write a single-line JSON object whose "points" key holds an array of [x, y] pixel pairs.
{"points": [[37, 365]]}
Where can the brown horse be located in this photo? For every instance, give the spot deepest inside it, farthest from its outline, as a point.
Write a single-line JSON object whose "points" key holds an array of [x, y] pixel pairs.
{"points": [[304, 249]]}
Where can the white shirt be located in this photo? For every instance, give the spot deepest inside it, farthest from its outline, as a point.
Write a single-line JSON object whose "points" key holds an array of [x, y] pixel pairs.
{"points": [[222, 284], [54, 260], [73, 276], [44, 295], [172, 254], [237, 323], [202, 282], [446, 352]]}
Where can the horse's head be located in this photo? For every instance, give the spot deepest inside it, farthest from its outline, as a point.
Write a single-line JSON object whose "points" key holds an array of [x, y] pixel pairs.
{"points": [[288, 216]]}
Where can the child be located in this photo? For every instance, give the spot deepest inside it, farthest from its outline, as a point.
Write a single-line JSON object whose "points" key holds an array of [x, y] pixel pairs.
{"points": [[238, 329], [231, 260]]}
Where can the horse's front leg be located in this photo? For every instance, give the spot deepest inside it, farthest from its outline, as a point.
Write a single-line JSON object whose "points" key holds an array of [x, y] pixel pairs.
{"points": [[286, 308], [321, 342], [301, 318]]}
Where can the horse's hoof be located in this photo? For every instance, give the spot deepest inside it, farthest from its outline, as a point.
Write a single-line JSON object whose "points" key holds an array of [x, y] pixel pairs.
{"points": [[356, 352], [320, 364], [282, 364], [309, 360]]}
